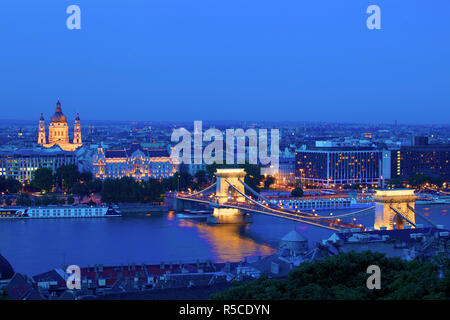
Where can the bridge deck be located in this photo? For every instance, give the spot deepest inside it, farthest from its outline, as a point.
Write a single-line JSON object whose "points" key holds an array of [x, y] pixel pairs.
{"points": [[332, 224]]}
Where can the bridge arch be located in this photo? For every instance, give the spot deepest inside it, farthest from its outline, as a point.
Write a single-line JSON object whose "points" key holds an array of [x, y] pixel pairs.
{"points": [[225, 177]]}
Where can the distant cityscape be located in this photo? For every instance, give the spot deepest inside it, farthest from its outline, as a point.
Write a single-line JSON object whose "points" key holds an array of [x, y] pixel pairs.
{"points": [[53, 170], [315, 154]]}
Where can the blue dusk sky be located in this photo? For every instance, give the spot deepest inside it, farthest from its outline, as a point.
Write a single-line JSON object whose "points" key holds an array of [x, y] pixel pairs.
{"points": [[227, 59]]}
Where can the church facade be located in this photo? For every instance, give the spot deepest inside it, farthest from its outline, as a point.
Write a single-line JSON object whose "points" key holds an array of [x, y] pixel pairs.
{"points": [[58, 131], [135, 161]]}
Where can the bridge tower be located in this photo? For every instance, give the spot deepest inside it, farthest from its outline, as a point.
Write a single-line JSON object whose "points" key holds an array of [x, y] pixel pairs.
{"points": [[223, 187], [224, 193], [395, 209]]}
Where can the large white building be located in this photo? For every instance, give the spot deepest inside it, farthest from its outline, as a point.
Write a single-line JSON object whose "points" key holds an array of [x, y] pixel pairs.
{"points": [[331, 166], [21, 164]]}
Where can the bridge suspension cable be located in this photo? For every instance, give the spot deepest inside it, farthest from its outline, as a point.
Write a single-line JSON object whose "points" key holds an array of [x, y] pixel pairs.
{"points": [[253, 191], [347, 214], [422, 216], [398, 213], [202, 191], [307, 213], [259, 204], [287, 215]]}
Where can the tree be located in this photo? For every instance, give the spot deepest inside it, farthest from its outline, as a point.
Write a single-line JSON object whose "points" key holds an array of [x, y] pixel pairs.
{"points": [[43, 179], [85, 176], [109, 192], [37, 201], [80, 189], [125, 189], [9, 185], [23, 200], [153, 191], [45, 200], [95, 186], [182, 181], [70, 199], [8, 201], [53, 200], [253, 177], [211, 169], [268, 182], [344, 276], [297, 192], [200, 176], [66, 176]]}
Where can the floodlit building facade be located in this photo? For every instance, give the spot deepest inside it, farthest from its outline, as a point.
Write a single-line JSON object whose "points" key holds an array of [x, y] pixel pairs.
{"points": [[135, 161], [58, 131]]}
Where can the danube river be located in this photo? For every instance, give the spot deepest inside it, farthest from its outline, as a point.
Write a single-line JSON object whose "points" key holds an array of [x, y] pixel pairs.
{"points": [[38, 245]]}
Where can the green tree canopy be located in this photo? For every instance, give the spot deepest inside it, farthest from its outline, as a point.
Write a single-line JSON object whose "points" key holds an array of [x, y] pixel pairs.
{"points": [[268, 182], [297, 192], [344, 276], [9, 185], [66, 176], [23, 200], [43, 179], [201, 177], [70, 199]]}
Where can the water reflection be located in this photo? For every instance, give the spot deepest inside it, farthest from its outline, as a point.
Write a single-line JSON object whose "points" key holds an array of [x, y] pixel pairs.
{"points": [[228, 242]]}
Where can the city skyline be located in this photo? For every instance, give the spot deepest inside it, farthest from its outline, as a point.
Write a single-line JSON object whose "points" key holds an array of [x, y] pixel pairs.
{"points": [[184, 151], [228, 61]]}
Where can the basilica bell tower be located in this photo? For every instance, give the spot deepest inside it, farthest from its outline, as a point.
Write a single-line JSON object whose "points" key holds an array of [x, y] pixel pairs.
{"points": [[41, 136], [77, 130]]}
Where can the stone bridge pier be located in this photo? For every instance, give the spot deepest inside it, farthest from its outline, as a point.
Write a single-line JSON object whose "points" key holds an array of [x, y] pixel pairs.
{"points": [[395, 209], [225, 193]]}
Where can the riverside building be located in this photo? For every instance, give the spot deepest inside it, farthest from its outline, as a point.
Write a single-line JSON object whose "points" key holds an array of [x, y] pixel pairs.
{"points": [[332, 166], [135, 161], [426, 159], [21, 164]]}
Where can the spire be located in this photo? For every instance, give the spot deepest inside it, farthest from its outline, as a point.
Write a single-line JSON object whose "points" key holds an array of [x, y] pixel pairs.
{"points": [[78, 117], [58, 106], [42, 117]]}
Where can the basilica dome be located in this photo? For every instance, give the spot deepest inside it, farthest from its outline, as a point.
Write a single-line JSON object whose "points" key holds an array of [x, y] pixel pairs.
{"points": [[58, 116]]}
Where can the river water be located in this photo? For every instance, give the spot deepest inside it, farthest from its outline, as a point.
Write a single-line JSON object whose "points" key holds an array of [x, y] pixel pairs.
{"points": [[37, 245]]}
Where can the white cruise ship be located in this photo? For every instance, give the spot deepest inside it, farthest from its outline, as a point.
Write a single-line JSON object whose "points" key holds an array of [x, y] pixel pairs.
{"points": [[55, 212], [324, 204]]}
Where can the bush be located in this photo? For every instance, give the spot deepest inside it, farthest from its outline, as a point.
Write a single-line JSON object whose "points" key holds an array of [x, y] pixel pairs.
{"points": [[297, 192], [344, 276]]}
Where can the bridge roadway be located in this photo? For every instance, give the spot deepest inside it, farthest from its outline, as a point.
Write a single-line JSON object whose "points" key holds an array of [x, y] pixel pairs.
{"points": [[251, 205]]}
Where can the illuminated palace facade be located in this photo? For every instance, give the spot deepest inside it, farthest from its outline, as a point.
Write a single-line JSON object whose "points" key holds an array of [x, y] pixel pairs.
{"points": [[135, 161], [58, 131]]}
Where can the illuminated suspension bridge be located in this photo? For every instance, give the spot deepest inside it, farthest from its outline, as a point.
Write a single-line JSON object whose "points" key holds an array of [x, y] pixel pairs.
{"points": [[228, 198]]}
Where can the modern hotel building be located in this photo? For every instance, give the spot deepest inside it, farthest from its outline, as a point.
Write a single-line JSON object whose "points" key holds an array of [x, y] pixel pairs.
{"points": [[21, 164], [331, 166]]}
